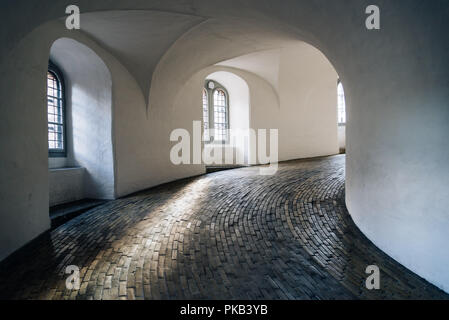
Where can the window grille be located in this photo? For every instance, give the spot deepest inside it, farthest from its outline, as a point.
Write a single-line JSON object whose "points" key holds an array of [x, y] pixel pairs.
{"points": [[220, 115], [215, 112], [55, 114]]}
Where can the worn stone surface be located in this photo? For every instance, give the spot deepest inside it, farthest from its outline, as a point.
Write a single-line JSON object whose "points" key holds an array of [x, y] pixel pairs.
{"points": [[227, 235]]}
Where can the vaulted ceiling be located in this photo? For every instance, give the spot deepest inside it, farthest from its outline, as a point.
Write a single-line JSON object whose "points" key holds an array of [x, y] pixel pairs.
{"points": [[138, 38], [141, 39], [262, 63]]}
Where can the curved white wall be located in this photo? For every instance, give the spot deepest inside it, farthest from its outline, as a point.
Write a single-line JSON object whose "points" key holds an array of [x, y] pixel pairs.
{"points": [[307, 117], [397, 173]]}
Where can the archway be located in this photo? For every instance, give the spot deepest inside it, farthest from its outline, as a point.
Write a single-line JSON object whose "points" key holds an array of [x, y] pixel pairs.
{"points": [[238, 109], [89, 125]]}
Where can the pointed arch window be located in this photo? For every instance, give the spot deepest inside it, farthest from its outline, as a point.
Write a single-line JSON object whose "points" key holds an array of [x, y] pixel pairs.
{"points": [[56, 112], [215, 112]]}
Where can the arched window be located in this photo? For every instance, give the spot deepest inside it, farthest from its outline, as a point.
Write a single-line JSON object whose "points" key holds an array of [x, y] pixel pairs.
{"points": [[341, 104], [56, 113], [220, 115], [215, 112]]}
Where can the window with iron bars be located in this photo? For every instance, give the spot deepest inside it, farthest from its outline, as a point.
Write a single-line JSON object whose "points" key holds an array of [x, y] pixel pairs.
{"points": [[56, 113], [215, 112]]}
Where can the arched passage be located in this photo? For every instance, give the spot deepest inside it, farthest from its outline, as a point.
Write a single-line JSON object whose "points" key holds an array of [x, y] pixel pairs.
{"points": [[238, 100], [396, 197], [292, 89], [89, 125]]}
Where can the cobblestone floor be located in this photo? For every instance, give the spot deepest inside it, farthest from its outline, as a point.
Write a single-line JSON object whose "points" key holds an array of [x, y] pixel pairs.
{"points": [[227, 235]]}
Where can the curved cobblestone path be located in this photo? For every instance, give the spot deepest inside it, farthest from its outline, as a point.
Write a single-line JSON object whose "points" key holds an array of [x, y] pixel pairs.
{"points": [[227, 235]]}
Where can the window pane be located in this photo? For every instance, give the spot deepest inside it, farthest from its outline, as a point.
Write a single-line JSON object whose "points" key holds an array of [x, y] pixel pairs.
{"points": [[220, 116], [55, 113]]}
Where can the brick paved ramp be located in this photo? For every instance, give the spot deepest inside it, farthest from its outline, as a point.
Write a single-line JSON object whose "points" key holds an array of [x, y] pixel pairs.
{"points": [[227, 235]]}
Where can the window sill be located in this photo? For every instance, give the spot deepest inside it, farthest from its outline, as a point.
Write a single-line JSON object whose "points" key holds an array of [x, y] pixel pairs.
{"points": [[65, 169], [54, 154], [218, 144]]}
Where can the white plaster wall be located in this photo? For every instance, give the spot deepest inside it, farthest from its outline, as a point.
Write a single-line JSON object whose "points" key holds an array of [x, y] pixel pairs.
{"points": [[24, 162], [55, 163], [342, 137], [143, 137], [397, 173], [308, 104], [66, 185], [90, 114]]}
